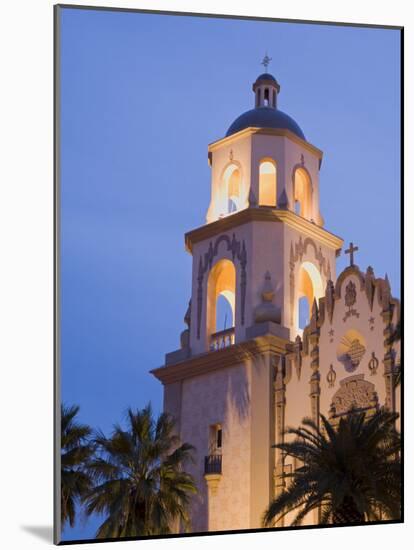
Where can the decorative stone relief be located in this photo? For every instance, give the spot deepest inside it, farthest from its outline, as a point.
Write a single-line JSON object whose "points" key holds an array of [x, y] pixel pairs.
{"points": [[356, 352], [350, 294], [354, 393], [238, 251], [350, 299], [350, 353], [331, 377], [373, 364], [315, 390]]}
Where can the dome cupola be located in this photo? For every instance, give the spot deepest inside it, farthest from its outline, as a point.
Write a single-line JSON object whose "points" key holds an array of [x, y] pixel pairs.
{"points": [[266, 89], [265, 113]]}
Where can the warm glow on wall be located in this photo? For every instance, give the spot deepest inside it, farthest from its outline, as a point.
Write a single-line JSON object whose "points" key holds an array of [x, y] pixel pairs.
{"points": [[267, 183], [310, 286], [231, 188], [302, 193], [221, 282]]}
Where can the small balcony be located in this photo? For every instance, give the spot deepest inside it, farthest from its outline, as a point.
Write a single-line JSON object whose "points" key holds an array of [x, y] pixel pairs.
{"points": [[222, 339], [212, 464]]}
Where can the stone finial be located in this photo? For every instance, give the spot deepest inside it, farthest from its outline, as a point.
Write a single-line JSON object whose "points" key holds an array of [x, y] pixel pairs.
{"points": [[252, 198], [385, 293], [185, 335], [297, 359], [187, 316], [283, 200], [267, 311], [330, 299], [268, 293], [370, 286], [314, 320]]}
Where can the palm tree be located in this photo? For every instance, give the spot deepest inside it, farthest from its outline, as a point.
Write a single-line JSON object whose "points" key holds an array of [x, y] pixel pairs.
{"points": [[75, 452], [396, 337], [351, 472], [140, 484]]}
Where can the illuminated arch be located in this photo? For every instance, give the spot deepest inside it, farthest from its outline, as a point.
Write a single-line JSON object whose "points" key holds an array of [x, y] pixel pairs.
{"points": [[232, 187], [267, 182], [221, 283], [302, 192], [310, 287]]}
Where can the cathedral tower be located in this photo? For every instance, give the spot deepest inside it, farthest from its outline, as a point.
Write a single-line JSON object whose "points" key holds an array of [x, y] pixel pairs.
{"points": [[264, 253]]}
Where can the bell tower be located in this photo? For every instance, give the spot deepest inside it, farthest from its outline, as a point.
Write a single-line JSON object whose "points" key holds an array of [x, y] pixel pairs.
{"points": [[265, 253]]}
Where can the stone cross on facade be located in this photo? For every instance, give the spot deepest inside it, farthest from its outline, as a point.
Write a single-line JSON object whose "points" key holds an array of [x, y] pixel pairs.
{"points": [[351, 251]]}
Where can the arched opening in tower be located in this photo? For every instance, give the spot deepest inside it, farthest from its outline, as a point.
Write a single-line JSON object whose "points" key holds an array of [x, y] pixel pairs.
{"points": [[302, 188], [267, 183], [221, 298], [232, 184], [310, 288]]}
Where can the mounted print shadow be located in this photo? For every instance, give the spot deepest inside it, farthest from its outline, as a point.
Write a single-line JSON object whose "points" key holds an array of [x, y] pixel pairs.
{"points": [[228, 318]]}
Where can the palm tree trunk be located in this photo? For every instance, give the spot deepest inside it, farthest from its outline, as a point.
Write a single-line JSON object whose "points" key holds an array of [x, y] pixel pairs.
{"points": [[347, 513]]}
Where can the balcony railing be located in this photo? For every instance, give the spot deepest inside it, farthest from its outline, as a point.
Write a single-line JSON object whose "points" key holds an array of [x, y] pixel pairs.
{"points": [[212, 464], [222, 339]]}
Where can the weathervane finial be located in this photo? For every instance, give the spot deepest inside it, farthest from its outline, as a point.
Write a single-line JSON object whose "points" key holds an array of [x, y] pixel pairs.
{"points": [[266, 61]]}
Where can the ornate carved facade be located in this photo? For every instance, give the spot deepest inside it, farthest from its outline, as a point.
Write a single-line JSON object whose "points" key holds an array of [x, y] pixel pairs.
{"points": [[265, 372]]}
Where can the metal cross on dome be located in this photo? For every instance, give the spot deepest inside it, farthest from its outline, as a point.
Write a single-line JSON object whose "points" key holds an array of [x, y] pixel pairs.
{"points": [[266, 61], [351, 251]]}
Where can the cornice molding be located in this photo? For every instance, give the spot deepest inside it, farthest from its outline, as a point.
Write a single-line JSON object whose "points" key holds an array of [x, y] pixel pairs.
{"points": [[221, 359], [263, 213], [246, 132]]}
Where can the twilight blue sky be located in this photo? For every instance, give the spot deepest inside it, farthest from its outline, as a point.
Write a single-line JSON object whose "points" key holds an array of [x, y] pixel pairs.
{"points": [[142, 96]]}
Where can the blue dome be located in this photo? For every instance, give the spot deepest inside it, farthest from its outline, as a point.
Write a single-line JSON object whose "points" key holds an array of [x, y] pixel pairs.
{"points": [[266, 76], [265, 117]]}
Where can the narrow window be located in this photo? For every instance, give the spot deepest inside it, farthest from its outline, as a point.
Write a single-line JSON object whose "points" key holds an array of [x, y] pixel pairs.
{"points": [[267, 183], [219, 432], [232, 183], [303, 193], [216, 439]]}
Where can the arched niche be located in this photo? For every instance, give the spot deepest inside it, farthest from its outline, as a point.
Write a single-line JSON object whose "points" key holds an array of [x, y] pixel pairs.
{"points": [[310, 288], [267, 182], [221, 283], [302, 192], [232, 188]]}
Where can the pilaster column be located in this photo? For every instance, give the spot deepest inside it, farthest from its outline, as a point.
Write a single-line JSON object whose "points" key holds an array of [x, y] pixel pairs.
{"points": [[280, 404]]}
